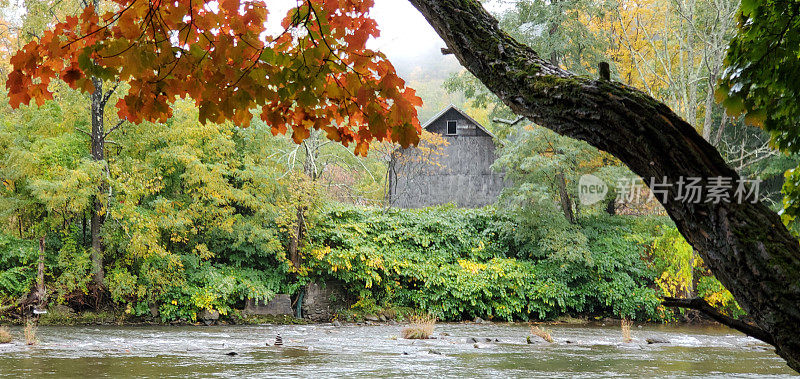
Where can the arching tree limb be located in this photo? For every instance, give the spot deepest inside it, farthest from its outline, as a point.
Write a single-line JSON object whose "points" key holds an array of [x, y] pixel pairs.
{"points": [[701, 305], [745, 245]]}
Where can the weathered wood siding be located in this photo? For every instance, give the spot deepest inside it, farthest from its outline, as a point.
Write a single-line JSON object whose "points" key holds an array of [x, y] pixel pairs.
{"points": [[465, 177]]}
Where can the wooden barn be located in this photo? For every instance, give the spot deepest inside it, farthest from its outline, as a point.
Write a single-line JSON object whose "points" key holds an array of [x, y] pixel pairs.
{"points": [[461, 175]]}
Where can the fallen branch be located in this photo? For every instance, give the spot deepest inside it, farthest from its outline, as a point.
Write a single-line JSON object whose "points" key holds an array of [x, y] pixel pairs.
{"points": [[701, 305]]}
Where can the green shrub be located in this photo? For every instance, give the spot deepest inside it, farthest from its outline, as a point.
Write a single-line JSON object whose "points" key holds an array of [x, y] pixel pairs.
{"points": [[463, 263], [17, 266]]}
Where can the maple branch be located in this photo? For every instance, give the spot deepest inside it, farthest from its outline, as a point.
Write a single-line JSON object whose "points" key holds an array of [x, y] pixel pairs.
{"points": [[113, 20], [324, 40]]}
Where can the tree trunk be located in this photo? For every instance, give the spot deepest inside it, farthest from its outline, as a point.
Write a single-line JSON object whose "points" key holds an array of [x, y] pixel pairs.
{"points": [[41, 291], [566, 202], [745, 245], [98, 154], [611, 206], [709, 114], [296, 239]]}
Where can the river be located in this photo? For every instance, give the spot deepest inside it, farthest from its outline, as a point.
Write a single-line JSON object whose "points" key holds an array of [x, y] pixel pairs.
{"points": [[324, 350]]}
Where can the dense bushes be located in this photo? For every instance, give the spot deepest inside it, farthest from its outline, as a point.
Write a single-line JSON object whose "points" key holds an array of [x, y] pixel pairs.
{"points": [[454, 263], [17, 267], [460, 263]]}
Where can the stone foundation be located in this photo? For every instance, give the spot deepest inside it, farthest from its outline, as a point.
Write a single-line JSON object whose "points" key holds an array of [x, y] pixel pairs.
{"points": [[321, 302], [279, 306]]}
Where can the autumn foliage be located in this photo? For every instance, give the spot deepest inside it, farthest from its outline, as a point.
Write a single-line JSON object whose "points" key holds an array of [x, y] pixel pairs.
{"points": [[317, 73]]}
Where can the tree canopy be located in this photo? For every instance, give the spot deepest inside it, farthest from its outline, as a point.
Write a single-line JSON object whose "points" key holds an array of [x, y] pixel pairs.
{"points": [[316, 74]]}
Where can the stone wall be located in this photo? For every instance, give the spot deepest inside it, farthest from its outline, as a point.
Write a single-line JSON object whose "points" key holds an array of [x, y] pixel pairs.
{"points": [[280, 305], [321, 302]]}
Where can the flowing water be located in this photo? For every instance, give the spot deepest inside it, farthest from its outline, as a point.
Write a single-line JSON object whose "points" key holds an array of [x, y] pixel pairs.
{"points": [[368, 351]]}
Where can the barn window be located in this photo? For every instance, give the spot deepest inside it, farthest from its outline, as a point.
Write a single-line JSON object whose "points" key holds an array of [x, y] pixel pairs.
{"points": [[451, 127]]}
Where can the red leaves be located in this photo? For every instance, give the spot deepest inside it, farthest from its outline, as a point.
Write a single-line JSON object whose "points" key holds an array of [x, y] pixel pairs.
{"points": [[318, 74], [16, 84], [71, 75], [230, 6]]}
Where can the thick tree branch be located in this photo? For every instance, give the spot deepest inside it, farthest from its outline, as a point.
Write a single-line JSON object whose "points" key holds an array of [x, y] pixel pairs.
{"points": [[508, 122], [701, 305], [745, 245]]}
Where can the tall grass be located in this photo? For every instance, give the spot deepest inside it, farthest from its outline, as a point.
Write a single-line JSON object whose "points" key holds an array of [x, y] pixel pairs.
{"points": [[542, 333], [30, 333], [626, 330], [420, 327], [5, 335]]}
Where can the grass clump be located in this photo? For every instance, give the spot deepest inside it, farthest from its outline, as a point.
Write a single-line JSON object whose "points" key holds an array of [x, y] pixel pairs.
{"points": [[626, 330], [541, 333], [30, 333], [5, 335], [420, 327]]}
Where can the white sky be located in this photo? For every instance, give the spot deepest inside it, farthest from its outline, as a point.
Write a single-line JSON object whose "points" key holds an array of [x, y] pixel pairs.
{"points": [[404, 32]]}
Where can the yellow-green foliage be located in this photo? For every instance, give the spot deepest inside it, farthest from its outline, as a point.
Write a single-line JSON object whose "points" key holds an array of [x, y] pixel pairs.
{"points": [[676, 261], [718, 296], [200, 216], [460, 264], [680, 268]]}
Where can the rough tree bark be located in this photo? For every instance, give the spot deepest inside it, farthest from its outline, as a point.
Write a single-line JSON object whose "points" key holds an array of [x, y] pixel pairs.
{"points": [[566, 201], [745, 245]]}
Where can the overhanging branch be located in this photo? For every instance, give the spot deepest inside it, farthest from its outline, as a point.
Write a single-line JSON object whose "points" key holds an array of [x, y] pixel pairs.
{"points": [[744, 244], [701, 305]]}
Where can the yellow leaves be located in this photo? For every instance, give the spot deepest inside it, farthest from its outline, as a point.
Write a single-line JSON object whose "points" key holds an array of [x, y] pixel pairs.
{"points": [[175, 237], [471, 266], [202, 251], [481, 246], [320, 253], [756, 118]]}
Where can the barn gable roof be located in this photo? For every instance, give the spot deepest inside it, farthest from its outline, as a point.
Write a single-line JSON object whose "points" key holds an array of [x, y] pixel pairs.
{"points": [[453, 107]]}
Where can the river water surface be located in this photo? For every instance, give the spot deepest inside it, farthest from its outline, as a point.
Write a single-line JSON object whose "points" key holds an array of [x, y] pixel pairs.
{"points": [[367, 351]]}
